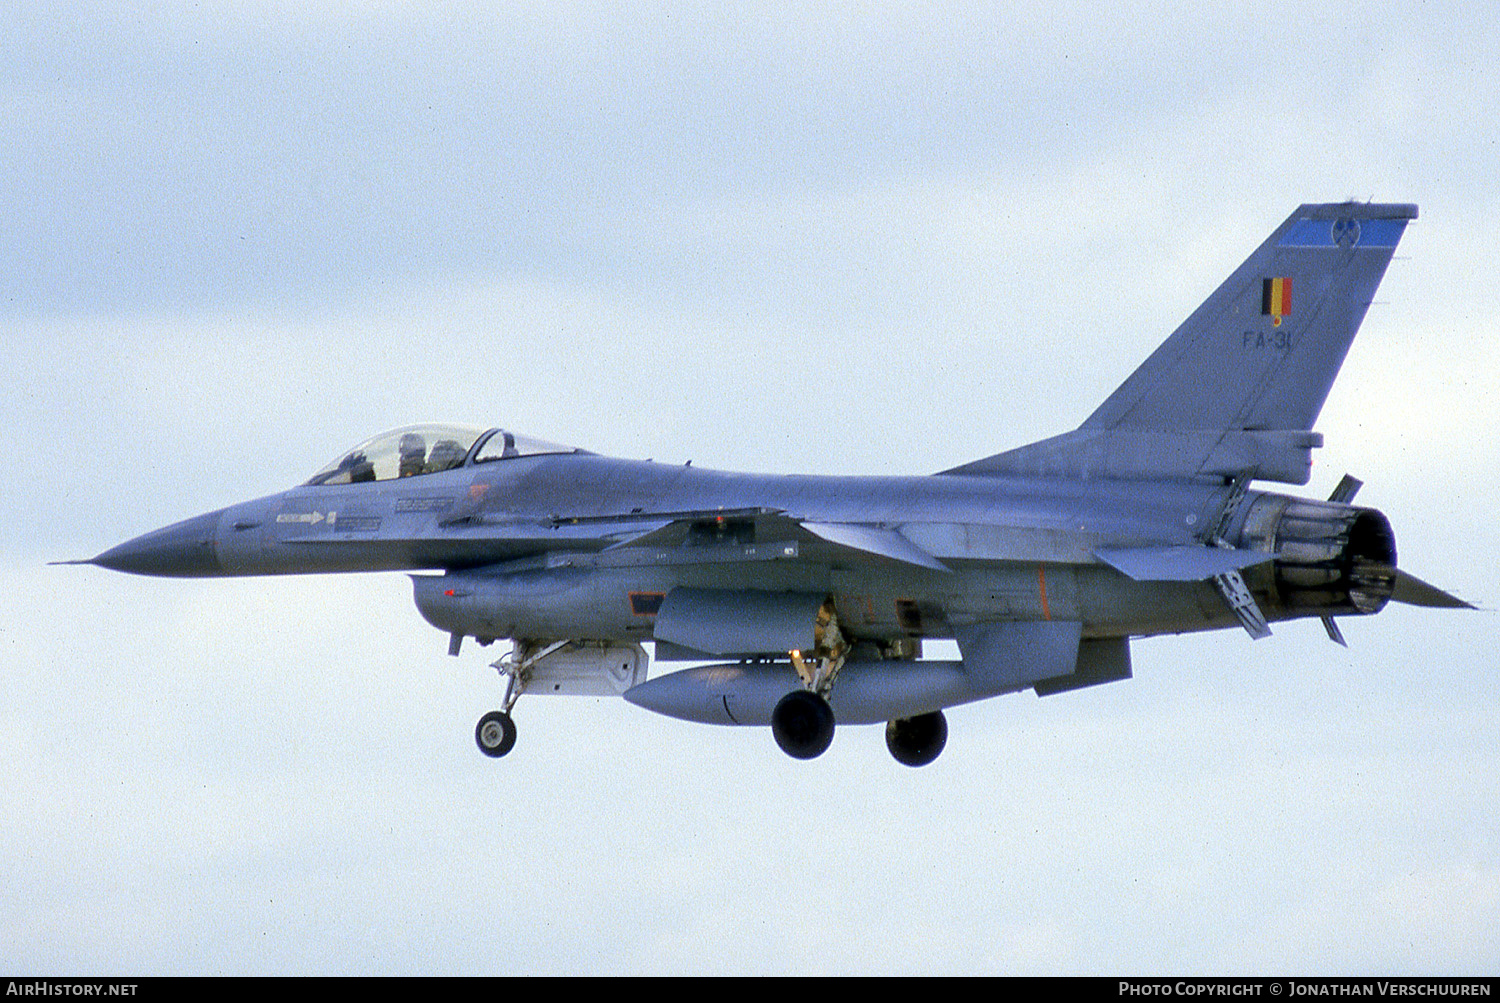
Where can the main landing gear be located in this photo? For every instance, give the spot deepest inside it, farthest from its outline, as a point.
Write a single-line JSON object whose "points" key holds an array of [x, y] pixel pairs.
{"points": [[802, 721], [802, 724], [917, 741]]}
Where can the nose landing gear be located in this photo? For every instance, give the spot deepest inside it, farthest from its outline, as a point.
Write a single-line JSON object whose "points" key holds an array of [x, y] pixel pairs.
{"points": [[496, 732]]}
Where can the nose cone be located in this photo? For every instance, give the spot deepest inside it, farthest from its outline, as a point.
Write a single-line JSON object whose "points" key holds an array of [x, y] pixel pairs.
{"points": [[182, 550]]}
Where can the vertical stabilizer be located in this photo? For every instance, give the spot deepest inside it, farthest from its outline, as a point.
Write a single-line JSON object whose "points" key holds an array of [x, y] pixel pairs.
{"points": [[1235, 390]]}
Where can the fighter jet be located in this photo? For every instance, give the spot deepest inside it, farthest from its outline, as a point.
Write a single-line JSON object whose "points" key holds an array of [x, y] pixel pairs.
{"points": [[811, 596]]}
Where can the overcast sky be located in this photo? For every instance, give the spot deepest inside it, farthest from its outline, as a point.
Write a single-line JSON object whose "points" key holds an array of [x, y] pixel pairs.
{"points": [[237, 237]]}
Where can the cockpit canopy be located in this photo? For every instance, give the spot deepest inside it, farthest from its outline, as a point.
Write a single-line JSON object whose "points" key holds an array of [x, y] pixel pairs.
{"points": [[429, 449]]}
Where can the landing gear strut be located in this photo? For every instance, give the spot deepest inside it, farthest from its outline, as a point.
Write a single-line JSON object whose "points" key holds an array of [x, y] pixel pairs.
{"points": [[802, 722]]}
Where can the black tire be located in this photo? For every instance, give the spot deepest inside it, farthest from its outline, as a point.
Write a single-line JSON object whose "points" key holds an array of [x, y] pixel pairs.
{"points": [[917, 741], [495, 734], [803, 724]]}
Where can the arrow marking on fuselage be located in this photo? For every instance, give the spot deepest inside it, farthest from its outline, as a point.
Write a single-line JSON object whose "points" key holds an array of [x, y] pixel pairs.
{"points": [[311, 518]]}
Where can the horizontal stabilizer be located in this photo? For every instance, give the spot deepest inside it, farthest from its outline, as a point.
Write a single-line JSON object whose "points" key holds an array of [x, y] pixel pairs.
{"points": [[1178, 564], [1414, 592]]}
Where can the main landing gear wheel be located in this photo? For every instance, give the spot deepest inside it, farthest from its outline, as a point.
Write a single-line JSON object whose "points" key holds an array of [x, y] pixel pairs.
{"points": [[803, 724], [917, 741], [495, 734]]}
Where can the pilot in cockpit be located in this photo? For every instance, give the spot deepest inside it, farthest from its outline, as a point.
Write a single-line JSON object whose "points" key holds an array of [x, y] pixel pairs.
{"points": [[446, 454], [413, 452]]}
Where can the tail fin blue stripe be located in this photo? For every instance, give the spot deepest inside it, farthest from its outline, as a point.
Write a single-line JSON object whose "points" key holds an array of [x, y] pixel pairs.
{"points": [[1346, 231]]}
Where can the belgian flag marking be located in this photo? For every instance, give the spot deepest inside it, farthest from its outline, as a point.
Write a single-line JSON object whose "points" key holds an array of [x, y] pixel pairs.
{"points": [[1276, 299]]}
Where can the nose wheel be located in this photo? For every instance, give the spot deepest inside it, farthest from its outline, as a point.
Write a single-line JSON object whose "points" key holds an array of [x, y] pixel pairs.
{"points": [[495, 734]]}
